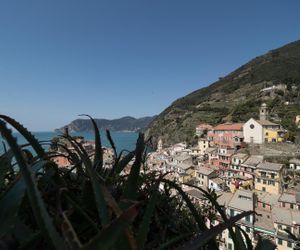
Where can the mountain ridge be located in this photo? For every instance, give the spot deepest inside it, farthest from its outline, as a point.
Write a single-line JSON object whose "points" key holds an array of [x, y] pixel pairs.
{"points": [[125, 123], [236, 97]]}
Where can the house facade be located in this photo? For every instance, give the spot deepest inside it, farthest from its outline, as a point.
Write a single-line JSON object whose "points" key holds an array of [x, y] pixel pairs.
{"points": [[228, 135], [268, 177]]}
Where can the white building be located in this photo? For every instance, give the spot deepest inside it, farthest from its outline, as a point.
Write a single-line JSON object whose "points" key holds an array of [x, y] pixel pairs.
{"points": [[294, 164], [258, 131]]}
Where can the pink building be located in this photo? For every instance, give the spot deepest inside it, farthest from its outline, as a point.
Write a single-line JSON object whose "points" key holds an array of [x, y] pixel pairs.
{"points": [[227, 135], [62, 161]]}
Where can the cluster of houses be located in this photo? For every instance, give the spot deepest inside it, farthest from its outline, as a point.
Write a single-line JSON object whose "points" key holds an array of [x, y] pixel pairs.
{"points": [[62, 147], [242, 181]]}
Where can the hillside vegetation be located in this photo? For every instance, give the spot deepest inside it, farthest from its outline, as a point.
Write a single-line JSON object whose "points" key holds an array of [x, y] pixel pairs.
{"points": [[237, 97]]}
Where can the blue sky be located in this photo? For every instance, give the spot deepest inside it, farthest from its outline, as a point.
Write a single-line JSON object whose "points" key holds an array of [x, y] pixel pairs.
{"points": [[114, 58]]}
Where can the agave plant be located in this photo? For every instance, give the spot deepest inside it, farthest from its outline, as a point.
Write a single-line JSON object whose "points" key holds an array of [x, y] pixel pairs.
{"points": [[91, 207]]}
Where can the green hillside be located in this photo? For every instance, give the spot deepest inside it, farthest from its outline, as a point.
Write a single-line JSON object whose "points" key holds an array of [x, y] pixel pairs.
{"points": [[237, 96]]}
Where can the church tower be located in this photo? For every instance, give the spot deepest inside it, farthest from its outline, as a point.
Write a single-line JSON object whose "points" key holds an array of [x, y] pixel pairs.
{"points": [[159, 145], [263, 112]]}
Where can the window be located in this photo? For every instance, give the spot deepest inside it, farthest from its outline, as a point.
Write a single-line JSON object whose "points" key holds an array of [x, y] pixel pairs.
{"points": [[288, 229], [252, 126], [248, 229], [292, 206], [264, 205], [289, 244], [280, 227], [267, 133], [258, 180], [279, 241], [283, 204], [229, 246], [298, 207], [264, 182], [263, 189]]}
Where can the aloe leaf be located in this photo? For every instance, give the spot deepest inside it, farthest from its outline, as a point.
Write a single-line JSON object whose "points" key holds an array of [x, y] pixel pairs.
{"points": [[38, 206], [9, 207], [216, 205], [110, 200], [131, 185], [77, 146], [171, 242], [145, 225], [81, 211], [5, 166], [211, 233], [246, 236], [98, 160], [99, 196], [108, 236], [111, 141], [4, 146], [121, 164], [240, 239], [27, 135], [10, 203], [264, 244], [199, 218]]}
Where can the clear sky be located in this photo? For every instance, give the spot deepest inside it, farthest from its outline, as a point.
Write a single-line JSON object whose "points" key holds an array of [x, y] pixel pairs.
{"points": [[112, 58]]}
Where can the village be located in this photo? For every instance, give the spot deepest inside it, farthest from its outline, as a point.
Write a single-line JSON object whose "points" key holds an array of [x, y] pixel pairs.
{"points": [[250, 166]]}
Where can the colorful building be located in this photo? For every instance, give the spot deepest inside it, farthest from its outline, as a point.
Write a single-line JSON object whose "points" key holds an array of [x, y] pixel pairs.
{"points": [[262, 130], [268, 177], [229, 135]]}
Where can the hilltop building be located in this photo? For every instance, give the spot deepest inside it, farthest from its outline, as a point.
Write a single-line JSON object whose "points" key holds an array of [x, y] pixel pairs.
{"points": [[160, 145], [262, 130]]}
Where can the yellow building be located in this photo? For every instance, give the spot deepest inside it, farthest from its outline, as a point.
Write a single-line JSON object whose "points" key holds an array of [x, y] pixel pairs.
{"points": [[268, 177], [272, 135], [297, 121]]}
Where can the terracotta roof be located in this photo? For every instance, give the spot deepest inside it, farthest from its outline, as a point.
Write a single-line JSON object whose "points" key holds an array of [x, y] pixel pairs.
{"points": [[230, 127]]}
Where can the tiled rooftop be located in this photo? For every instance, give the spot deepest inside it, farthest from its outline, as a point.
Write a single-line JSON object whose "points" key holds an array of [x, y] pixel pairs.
{"points": [[230, 127], [270, 166], [242, 200]]}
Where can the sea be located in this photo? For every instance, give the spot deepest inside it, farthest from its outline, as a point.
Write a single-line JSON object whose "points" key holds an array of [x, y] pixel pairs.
{"points": [[122, 140]]}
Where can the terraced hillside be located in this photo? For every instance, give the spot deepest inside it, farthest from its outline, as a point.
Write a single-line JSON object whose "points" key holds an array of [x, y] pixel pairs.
{"points": [[237, 97]]}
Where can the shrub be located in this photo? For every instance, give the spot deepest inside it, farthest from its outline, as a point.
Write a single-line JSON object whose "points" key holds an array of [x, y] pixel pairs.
{"points": [[92, 207]]}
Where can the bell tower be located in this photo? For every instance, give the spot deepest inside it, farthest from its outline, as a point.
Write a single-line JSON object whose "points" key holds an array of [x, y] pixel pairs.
{"points": [[263, 112], [160, 145]]}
